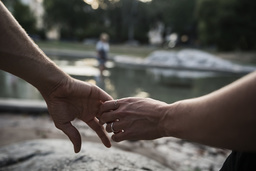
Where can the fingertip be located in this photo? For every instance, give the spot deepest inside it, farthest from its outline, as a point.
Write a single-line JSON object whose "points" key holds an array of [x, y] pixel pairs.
{"points": [[115, 138], [99, 129], [77, 149], [105, 140], [110, 97], [73, 135], [77, 145], [106, 97], [108, 145], [76, 140]]}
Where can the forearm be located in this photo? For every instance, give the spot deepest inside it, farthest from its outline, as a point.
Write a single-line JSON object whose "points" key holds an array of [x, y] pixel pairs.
{"points": [[20, 56], [225, 118]]}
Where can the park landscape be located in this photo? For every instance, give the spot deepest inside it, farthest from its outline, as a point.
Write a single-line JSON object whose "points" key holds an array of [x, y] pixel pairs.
{"points": [[27, 134]]}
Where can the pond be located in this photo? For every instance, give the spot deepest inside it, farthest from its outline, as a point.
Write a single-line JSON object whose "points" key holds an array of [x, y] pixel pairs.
{"points": [[121, 82]]}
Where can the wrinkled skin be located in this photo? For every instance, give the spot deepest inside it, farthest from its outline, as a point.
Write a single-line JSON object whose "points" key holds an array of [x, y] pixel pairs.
{"points": [[134, 118], [76, 99]]}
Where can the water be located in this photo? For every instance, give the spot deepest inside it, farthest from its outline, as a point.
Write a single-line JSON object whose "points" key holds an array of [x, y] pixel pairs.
{"points": [[141, 83], [120, 82]]}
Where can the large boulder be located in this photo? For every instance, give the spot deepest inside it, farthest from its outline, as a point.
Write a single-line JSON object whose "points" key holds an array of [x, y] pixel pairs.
{"points": [[44, 155]]}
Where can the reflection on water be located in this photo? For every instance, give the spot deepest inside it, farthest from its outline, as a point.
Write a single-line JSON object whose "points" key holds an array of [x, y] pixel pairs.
{"points": [[120, 82], [14, 87], [141, 83]]}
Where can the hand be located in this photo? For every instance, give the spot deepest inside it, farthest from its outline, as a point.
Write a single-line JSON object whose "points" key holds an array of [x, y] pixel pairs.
{"points": [[134, 118], [76, 99]]}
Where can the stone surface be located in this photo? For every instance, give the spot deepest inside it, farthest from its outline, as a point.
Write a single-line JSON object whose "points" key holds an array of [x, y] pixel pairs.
{"points": [[192, 58], [43, 155], [186, 63], [177, 154]]}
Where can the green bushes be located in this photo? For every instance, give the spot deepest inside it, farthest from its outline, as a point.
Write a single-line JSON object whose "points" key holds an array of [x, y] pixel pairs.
{"points": [[229, 24]]}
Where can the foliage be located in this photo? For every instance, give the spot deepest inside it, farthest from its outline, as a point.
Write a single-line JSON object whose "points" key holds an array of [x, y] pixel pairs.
{"points": [[229, 24], [70, 16], [23, 15], [123, 20], [178, 14], [127, 21]]}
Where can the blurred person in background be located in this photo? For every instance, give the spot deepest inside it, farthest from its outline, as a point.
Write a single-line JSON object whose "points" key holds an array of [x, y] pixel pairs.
{"points": [[102, 48]]}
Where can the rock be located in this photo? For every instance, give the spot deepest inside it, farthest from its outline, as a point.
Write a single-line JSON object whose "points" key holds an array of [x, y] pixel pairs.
{"points": [[197, 59], [43, 155], [186, 63]]}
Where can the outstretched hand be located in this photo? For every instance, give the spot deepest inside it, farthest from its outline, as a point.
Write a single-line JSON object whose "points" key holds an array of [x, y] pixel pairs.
{"points": [[134, 118], [76, 99]]}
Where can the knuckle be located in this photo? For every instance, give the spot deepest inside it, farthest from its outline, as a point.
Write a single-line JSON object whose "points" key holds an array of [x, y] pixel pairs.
{"points": [[121, 114]]}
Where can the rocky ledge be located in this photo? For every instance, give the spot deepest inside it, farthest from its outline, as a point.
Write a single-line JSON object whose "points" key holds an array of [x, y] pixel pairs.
{"points": [[44, 155]]}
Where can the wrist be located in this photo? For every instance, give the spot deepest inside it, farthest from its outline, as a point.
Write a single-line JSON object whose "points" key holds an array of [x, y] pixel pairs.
{"points": [[50, 79], [170, 119]]}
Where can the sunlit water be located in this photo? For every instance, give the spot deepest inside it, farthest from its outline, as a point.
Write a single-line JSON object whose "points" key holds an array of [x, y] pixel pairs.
{"points": [[121, 82]]}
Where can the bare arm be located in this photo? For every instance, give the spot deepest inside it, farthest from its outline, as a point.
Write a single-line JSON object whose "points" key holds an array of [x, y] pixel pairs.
{"points": [[225, 118], [66, 98], [21, 56]]}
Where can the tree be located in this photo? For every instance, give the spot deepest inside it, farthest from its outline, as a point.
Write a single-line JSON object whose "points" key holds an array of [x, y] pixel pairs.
{"points": [[75, 18], [178, 14], [123, 20], [128, 21], [23, 15], [227, 24]]}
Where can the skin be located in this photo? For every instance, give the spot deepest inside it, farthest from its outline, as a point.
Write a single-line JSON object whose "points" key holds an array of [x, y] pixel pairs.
{"points": [[225, 118], [66, 98]]}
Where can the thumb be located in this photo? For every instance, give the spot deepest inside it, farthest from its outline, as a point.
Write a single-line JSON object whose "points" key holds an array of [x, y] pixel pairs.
{"points": [[72, 134], [103, 96]]}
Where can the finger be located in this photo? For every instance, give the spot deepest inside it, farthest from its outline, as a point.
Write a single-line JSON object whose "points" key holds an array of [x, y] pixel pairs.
{"points": [[103, 96], [117, 126], [72, 134], [108, 117], [119, 136], [99, 129], [109, 105]]}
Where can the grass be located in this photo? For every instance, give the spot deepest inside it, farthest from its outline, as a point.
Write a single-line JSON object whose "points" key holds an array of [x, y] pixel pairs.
{"points": [[140, 51]]}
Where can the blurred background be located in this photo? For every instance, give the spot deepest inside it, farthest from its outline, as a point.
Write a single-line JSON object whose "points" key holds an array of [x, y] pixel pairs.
{"points": [[168, 50], [220, 25]]}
